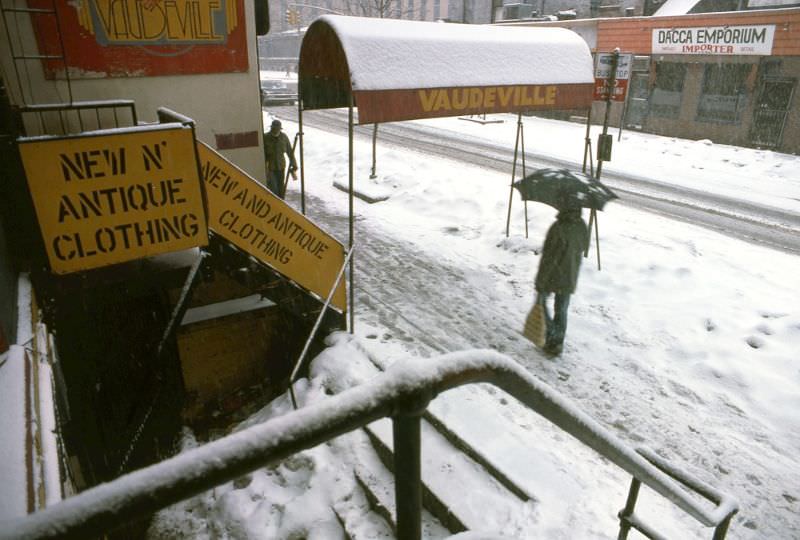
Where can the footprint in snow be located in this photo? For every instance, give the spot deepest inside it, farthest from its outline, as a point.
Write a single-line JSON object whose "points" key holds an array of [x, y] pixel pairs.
{"points": [[764, 329], [756, 342], [772, 315]]}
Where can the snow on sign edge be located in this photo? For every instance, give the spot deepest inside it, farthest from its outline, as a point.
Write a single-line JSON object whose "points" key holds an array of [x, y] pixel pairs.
{"points": [[385, 54]]}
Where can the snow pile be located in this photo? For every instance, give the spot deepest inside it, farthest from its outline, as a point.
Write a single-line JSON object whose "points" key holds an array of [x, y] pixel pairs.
{"points": [[12, 428], [297, 497]]}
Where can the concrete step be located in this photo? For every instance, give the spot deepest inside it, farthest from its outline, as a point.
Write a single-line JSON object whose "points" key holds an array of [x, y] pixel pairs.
{"points": [[377, 483], [516, 444], [521, 451], [456, 489]]}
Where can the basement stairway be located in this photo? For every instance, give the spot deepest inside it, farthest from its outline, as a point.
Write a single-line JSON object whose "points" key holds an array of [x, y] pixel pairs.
{"points": [[463, 488], [261, 279]]}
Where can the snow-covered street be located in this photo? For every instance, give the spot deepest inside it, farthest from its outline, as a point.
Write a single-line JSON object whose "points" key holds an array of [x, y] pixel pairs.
{"points": [[686, 341]]}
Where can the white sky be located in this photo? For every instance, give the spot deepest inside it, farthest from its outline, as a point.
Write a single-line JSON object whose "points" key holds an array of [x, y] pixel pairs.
{"points": [[686, 341]]}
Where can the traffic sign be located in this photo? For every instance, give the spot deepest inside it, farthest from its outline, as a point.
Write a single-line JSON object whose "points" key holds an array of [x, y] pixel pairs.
{"points": [[602, 72]]}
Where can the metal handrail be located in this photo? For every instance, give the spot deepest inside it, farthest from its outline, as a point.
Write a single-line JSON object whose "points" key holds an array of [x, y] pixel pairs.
{"points": [[402, 392], [306, 347], [78, 107]]}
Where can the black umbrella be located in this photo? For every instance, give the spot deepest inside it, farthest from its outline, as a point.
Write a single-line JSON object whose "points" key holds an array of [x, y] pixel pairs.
{"points": [[562, 189]]}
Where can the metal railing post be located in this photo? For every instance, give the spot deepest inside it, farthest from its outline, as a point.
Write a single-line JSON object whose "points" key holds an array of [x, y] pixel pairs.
{"points": [[722, 529], [630, 504], [299, 363], [407, 474]]}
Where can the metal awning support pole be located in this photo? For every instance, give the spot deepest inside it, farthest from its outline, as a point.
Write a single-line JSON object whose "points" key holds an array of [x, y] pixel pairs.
{"points": [[593, 219], [350, 201], [302, 156], [373, 172], [513, 174], [587, 145], [316, 327], [522, 149]]}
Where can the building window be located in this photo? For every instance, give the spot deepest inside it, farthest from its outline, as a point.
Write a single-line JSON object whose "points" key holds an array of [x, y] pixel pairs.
{"points": [[724, 93], [668, 88]]}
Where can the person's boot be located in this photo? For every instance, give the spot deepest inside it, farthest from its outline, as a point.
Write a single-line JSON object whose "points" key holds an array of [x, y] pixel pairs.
{"points": [[553, 349]]}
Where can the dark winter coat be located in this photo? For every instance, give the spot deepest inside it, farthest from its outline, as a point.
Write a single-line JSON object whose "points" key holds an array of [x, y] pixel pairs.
{"points": [[275, 148], [563, 250]]}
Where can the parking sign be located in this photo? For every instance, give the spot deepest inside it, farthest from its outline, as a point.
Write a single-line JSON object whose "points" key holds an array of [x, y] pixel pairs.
{"points": [[602, 72]]}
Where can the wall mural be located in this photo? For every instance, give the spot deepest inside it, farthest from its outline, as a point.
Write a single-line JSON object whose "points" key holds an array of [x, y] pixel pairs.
{"points": [[140, 38]]}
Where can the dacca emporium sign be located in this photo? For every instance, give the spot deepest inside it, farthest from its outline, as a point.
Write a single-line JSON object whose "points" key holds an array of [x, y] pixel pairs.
{"points": [[720, 40]]}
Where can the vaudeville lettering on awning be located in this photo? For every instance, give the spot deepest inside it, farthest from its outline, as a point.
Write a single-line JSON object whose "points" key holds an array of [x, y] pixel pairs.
{"points": [[403, 70]]}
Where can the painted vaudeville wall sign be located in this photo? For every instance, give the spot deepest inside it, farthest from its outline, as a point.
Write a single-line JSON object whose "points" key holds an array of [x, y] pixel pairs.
{"points": [[132, 38], [116, 197]]}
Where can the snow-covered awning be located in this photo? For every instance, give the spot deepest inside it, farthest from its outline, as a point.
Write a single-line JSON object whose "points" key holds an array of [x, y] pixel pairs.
{"points": [[402, 70]]}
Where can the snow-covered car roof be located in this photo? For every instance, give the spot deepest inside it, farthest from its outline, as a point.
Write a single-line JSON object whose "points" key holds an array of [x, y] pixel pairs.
{"points": [[372, 58]]}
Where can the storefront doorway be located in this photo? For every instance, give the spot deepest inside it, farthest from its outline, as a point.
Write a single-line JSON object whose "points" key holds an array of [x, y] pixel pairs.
{"points": [[769, 117], [638, 101]]}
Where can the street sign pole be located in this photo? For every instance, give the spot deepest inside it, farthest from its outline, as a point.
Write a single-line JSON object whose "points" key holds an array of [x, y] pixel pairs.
{"points": [[609, 92], [603, 152]]}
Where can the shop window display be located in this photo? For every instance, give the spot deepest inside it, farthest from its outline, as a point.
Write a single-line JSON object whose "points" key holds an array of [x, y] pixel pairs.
{"points": [[665, 100], [724, 92]]}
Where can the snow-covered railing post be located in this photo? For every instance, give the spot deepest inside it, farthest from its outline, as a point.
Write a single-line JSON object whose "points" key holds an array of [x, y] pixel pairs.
{"points": [[628, 519], [408, 466]]}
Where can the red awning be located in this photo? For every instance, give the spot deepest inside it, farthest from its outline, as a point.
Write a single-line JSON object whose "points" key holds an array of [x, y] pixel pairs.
{"points": [[404, 70]]}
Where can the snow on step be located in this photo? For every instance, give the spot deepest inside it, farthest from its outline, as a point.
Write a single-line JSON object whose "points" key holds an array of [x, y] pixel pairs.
{"points": [[554, 469], [475, 498], [378, 484]]}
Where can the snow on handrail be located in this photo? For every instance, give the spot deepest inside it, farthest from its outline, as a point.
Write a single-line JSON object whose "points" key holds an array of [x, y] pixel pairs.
{"points": [[414, 381]]}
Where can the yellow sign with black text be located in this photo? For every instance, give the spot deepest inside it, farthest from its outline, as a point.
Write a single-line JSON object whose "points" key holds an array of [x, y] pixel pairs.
{"points": [[256, 221], [114, 197]]}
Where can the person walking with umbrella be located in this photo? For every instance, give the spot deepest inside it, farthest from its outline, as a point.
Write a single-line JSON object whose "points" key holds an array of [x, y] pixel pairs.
{"points": [[559, 266], [564, 246]]}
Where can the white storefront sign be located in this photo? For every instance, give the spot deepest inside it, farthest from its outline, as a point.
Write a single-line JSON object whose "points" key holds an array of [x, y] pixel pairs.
{"points": [[723, 40]]}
